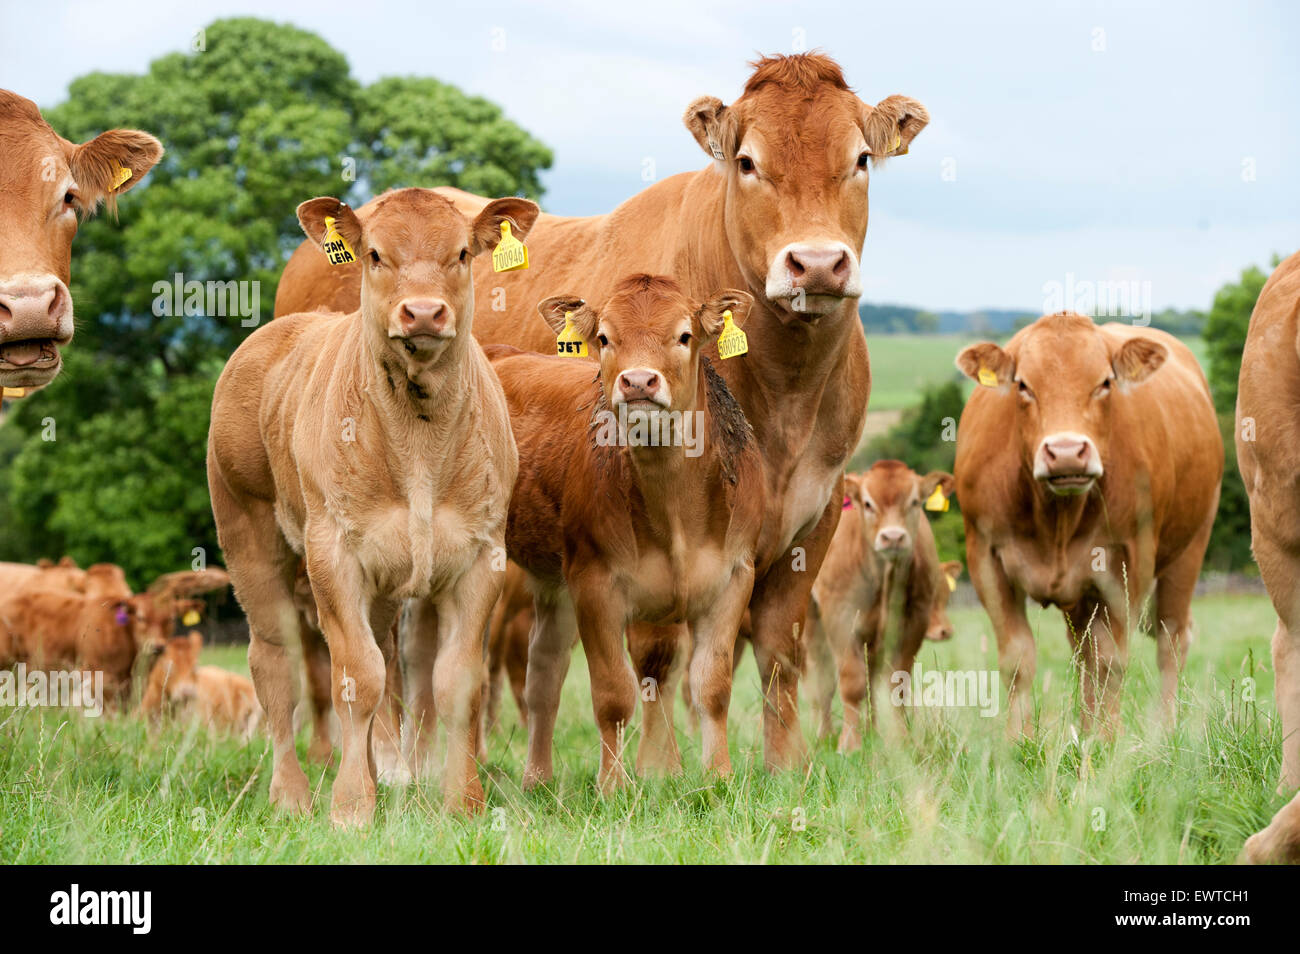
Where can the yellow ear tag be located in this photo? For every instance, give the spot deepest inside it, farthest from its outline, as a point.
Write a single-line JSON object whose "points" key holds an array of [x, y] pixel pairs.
{"points": [[11, 393], [988, 378], [570, 344], [191, 618], [952, 582], [937, 501], [337, 249], [510, 255], [732, 341], [123, 173]]}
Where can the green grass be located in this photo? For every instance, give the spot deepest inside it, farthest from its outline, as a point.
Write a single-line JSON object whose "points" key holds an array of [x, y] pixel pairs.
{"points": [[82, 790], [903, 365]]}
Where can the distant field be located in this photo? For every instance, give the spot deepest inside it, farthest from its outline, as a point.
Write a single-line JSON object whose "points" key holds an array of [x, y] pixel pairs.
{"points": [[902, 365], [84, 790]]}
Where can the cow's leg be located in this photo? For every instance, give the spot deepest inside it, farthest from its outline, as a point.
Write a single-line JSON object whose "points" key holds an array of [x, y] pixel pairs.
{"points": [[1279, 843], [418, 650], [819, 661], [316, 662], [390, 765], [712, 666], [1098, 632], [263, 570], [357, 673], [550, 646], [1017, 653], [777, 612], [602, 619], [517, 659], [458, 678], [909, 645], [494, 671], [1174, 590], [1281, 573], [655, 652]]}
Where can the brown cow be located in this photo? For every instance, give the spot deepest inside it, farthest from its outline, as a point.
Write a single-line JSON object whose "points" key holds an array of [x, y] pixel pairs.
{"points": [[1268, 453], [782, 212], [45, 181], [376, 445], [62, 575], [1088, 471], [179, 687], [640, 497], [879, 583]]}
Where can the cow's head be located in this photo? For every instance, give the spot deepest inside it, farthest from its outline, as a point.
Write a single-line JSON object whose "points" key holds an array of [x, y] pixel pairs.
{"points": [[796, 150], [940, 627], [45, 183], [1063, 375], [891, 496], [173, 683], [415, 250], [648, 337]]}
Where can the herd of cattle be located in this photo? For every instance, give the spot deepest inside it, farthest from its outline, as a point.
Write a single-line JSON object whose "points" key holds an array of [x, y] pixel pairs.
{"points": [[638, 440]]}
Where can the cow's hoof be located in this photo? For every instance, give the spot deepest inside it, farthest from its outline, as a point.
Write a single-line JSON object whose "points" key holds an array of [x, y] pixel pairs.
{"points": [[290, 792], [353, 812], [468, 801], [394, 776]]}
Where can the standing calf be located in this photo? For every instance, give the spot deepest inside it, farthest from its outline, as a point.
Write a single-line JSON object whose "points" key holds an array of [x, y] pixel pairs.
{"points": [[661, 534], [881, 577], [377, 446]]}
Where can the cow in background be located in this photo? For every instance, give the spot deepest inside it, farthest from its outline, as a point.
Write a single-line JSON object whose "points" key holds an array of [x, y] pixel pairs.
{"points": [[177, 686], [1088, 468]]}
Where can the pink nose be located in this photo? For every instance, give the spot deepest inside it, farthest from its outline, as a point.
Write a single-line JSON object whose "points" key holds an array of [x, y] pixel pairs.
{"points": [[425, 316], [33, 317], [892, 538], [819, 270], [639, 384], [940, 633], [1067, 457]]}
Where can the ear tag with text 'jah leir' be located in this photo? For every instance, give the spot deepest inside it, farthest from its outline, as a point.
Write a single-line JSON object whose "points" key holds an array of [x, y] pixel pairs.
{"points": [[952, 582], [937, 501], [120, 177], [570, 344], [732, 341], [988, 378], [191, 618], [337, 249], [511, 255]]}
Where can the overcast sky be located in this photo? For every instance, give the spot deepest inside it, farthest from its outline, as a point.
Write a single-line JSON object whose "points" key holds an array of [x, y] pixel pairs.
{"points": [[1156, 142]]}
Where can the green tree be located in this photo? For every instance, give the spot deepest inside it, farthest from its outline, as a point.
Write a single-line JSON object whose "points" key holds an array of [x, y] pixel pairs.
{"points": [[264, 117]]}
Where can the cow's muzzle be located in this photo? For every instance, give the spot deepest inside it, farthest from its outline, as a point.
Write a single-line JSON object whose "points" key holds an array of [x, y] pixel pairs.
{"points": [[812, 279], [35, 322], [1067, 463]]}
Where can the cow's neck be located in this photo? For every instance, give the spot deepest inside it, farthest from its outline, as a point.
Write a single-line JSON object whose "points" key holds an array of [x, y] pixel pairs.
{"points": [[1059, 517], [419, 399]]}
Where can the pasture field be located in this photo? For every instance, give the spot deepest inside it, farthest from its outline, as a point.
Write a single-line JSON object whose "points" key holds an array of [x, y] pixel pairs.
{"points": [[903, 365], [78, 790]]}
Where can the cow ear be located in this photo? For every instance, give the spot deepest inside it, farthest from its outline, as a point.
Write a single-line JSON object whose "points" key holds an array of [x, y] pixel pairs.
{"points": [[853, 486], [313, 213], [951, 569], [101, 166], [987, 364], [890, 126], [713, 127], [709, 317], [485, 233], [553, 311], [937, 478], [1137, 359]]}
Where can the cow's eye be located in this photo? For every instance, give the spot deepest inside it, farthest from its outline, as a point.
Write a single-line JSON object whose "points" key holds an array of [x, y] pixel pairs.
{"points": [[746, 164], [69, 198], [863, 160], [374, 257], [1025, 393], [866, 504], [685, 339], [604, 341], [464, 255], [1102, 389]]}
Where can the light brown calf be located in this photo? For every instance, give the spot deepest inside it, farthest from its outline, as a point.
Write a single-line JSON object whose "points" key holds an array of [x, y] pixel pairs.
{"points": [[377, 446], [639, 498], [1088, 471], [45, 182], [876, 592], [783, 216], [1268, 453], [179, 687]]}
